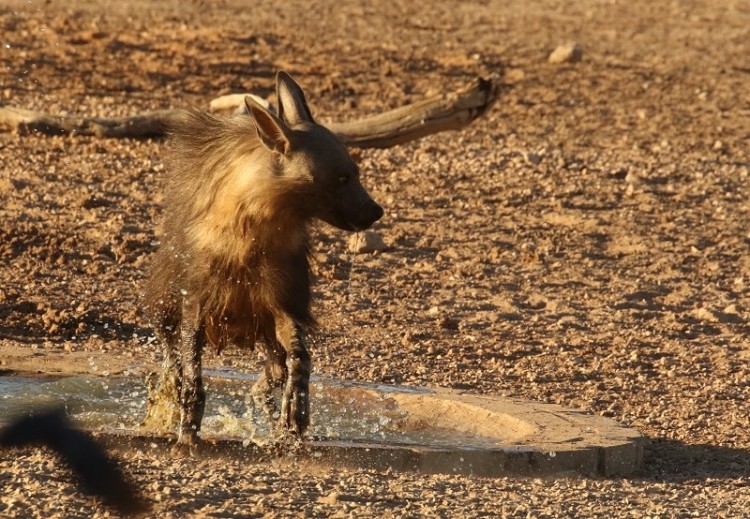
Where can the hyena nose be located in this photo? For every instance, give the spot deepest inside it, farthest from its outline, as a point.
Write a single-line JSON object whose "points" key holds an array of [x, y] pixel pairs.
{"points": [[377, 212]]}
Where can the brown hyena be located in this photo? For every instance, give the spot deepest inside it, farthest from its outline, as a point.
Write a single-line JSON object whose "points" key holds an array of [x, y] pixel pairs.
{"points": [[233, 262]]}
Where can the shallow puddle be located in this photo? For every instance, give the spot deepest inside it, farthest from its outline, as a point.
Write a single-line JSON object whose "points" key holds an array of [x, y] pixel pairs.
{"points": [[340, 411], [357, 425]]}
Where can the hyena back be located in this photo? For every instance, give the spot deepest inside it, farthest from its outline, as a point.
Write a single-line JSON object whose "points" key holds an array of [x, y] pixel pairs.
{"points": [[233, 263]]}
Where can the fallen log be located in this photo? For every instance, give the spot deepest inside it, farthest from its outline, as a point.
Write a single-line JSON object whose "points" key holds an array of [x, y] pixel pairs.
{"points": [[147, 125], [451, 111]]}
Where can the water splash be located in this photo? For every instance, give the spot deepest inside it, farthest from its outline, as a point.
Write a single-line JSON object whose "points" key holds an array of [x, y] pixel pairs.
{"points": [[340, 411]]}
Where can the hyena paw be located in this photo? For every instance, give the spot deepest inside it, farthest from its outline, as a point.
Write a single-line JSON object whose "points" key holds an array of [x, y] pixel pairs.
{"points": [[295, 411], [186, 446], [262, 395]]}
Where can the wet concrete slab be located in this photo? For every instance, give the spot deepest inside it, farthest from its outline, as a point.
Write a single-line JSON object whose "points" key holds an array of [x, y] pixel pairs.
{"points": [[354, 424]]}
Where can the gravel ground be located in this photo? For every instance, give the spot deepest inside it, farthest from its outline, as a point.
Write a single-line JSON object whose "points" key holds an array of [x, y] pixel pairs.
{"points": [[584, 243]]}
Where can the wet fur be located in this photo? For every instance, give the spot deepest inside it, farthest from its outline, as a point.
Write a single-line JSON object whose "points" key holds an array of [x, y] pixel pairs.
{"points": [[235, 235], [233, 263]]}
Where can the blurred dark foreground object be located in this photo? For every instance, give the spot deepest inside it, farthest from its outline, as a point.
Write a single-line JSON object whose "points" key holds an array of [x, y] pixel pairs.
{"points": [[98, 473]]}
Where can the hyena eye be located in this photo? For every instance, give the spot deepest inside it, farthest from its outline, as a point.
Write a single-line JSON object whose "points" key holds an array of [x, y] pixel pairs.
{"points": [[343, 179]]}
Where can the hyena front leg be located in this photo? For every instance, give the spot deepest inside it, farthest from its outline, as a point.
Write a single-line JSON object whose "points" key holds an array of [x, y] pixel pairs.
{"points": [[192, 394], [295, 399], [274, 376], [163, 406]]}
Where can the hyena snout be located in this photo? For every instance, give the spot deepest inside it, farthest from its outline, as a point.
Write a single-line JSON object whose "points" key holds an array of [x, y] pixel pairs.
{"points": [[373, 212], [366, 214]]}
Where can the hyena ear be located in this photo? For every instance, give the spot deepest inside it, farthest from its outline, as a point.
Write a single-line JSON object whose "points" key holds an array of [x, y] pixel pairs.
{"points": [[292, 104], [272, 131]]}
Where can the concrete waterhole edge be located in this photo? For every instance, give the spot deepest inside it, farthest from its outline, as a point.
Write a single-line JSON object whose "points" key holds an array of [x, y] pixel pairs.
{"points": [[518, 437]]}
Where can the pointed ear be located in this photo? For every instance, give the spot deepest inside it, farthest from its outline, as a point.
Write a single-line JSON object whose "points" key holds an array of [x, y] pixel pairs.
{"points": [[272, 131], [292, 104]]}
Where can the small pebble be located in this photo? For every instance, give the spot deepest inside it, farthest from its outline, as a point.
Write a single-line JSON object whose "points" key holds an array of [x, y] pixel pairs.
{"points": [[330, 499], [532, 158], [567, 53]]}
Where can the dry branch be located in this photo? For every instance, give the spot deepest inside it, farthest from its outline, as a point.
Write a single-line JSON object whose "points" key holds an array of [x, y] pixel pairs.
{"points": [[450, 111], [149, 124]]}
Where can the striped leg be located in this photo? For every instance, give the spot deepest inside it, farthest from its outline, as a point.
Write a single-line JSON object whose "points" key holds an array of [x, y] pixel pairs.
{"points": [[163, 408], [273, 377], [192, 394], [295, 401]]}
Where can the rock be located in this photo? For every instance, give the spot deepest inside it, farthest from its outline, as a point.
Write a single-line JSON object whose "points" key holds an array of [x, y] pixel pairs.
{"points": [[330, 499], [731, 309], [704, 314], [567, 53], [449, 323], [632, 178], [364, 242], [514, 75], [532, 158]]}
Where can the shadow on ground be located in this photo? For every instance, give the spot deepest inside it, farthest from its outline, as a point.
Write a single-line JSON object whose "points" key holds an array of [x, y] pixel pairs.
{"points": [[675, 462]]}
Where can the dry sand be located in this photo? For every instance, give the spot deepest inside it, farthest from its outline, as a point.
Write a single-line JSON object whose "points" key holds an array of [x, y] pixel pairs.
{"points": [[585, 243]]}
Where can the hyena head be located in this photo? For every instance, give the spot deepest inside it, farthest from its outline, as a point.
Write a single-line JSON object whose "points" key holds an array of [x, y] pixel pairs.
{"points": [[313, 154]]}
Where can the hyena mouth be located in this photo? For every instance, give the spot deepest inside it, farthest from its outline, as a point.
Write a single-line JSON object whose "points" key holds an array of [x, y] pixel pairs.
{"points": [[356, 227]]}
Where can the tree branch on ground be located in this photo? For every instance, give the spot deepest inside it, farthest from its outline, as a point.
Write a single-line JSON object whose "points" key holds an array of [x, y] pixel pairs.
{"points": [[450, 111]]}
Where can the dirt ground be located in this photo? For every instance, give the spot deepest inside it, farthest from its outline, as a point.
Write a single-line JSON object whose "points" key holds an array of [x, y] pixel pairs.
{"points": [[584, 243]]}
